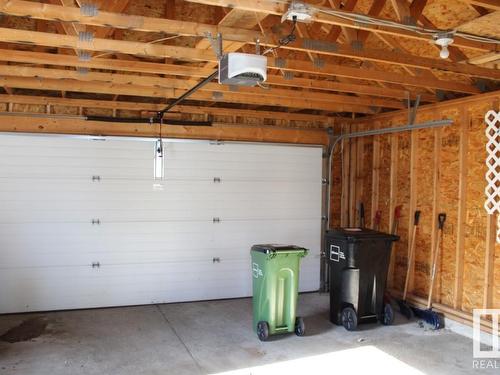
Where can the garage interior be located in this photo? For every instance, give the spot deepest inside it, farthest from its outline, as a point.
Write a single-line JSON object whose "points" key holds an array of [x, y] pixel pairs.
{"points": [[138, 168]]}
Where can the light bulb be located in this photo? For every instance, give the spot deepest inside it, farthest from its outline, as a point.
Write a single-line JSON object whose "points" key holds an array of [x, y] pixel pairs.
{"points": [[444, 53]]}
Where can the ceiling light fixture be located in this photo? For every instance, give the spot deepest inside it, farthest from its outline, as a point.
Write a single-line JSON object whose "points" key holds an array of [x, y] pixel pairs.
{"points": [[298, 11], [444, 40]]}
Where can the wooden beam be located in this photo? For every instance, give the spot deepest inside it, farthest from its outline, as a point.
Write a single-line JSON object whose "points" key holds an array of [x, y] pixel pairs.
{"points": [[402, 11], [488, 4], [193, 54], [125, 79], [412, 205], [106, 45], [153, 108], [304, 67], [158, 92], [375, 75], [462, 208], [323, 16], [50, 12], [452, 103], [436, 203], [375, 178], [393, 187], [217, 132], [344, 204]]}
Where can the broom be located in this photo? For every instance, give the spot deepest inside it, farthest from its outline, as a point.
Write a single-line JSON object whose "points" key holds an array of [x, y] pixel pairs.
{"points": [[433, 318]]}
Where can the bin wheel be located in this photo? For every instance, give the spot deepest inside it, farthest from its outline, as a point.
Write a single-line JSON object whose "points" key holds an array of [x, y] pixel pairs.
{"points": [[349, 319], [388, 317], [300, 327], [263, 331]]}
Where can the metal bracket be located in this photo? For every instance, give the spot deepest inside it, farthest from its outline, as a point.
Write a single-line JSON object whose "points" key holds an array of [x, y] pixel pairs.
{"points": [[412, 111], [216, 44], [357, 45], [96, 265], [215, 260], [216, 142], [96, 178], [217, 180], [216, 220], [96, 222]]}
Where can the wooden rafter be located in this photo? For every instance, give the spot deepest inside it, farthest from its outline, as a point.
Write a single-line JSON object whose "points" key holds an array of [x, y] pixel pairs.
{"points": [[168, 83], [193, 54], [278, 8], [223, 96], [488, 4], [290, 65], [153, 50]]}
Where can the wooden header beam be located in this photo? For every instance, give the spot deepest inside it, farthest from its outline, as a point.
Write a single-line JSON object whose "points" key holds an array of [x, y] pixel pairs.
{"points": [[149, 108], [152, 108], [217, 132]]}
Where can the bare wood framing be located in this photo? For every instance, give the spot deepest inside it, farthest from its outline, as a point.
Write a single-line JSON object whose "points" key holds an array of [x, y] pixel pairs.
{"points": [[193, 54], [436, 183], [413, 197], [125, 79], [158, 92], [308, 67], [392, 199], [219, 132], [152, 108], [278, 8], [375, 178], [462, 208]]}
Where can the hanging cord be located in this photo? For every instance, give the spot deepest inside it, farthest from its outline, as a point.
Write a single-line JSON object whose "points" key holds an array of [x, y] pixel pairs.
{"points": [[290, 38]]}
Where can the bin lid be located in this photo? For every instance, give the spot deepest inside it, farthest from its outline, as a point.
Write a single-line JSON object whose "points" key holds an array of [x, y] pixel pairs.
{"points": [[360, 234], [272, 248]]}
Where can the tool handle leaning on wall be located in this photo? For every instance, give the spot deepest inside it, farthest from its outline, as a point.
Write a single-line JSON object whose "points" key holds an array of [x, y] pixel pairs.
{"points": [[411, 252], [441, 220]]}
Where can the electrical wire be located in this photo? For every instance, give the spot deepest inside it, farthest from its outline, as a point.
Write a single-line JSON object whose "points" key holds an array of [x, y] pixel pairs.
{"points": [[290, 38], [368, 20]]}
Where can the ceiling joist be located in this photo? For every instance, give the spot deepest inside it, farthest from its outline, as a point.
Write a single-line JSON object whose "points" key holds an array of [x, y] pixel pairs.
{"points": [[56, 13]]}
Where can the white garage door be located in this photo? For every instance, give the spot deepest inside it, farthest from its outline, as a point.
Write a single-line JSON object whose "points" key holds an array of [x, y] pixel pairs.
{"points": [[84, 224]]}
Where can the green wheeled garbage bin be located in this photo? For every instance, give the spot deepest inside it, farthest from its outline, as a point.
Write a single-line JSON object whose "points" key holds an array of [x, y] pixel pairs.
{"points": [[275, 274]]}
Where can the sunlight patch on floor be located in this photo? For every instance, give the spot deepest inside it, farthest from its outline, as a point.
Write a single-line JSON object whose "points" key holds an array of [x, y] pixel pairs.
{"points": [[363, 360]]}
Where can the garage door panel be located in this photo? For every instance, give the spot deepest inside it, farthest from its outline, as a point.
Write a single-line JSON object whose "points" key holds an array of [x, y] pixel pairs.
{"points": [[115, 285], [156, 240]]}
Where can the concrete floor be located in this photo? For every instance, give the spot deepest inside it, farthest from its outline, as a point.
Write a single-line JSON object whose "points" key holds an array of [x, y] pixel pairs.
{"points": [[216, 336]]}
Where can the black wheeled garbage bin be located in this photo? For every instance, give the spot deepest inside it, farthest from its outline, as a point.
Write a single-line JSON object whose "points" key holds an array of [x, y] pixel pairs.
{"points": [[359, 261]]}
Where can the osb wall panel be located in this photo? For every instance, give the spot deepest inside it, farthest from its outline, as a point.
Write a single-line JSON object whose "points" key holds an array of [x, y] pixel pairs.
{"points": [[366, 178], [448, 203], [402, 197], [436, 180], [384, 186], [424, 191], [475, 227], [336, 188]]}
